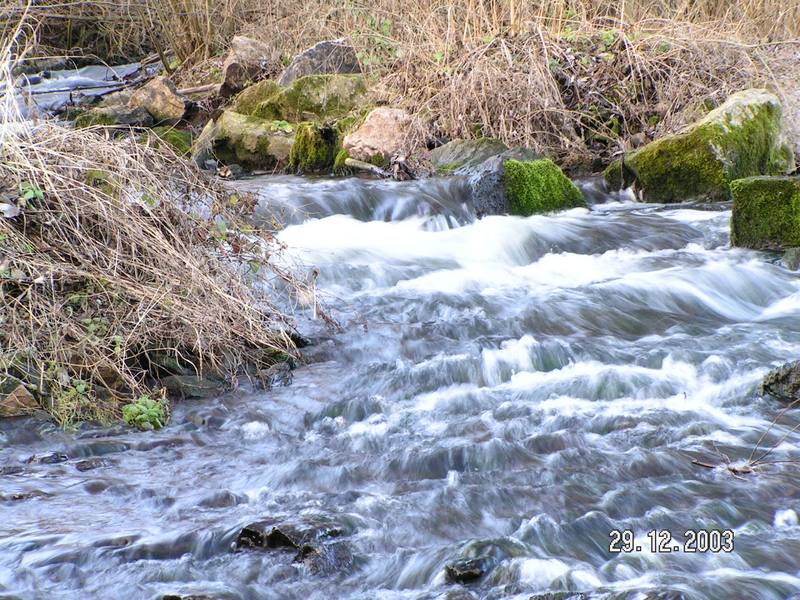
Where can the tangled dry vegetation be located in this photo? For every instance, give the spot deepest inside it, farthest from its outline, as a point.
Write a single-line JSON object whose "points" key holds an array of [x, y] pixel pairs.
{"points": [[116, 258]]}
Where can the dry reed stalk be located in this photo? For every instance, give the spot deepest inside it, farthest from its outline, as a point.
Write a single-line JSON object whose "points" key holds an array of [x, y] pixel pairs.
{"points": [[120, 250]]}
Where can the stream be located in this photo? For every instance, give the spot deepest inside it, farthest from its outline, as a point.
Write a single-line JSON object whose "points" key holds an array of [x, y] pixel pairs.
{"points": [[508, 389]]}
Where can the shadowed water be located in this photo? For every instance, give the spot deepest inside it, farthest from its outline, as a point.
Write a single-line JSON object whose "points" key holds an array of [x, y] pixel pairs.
{"points": [[508, 388]]}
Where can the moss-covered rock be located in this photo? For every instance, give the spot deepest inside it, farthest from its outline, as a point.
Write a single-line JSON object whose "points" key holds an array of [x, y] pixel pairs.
{"points": [[248, 100], [539, 186], [179, 140], [766, 213], [313, 98], [465, 154], [110, 116], [741, 138], [245, 140], [314, 148]]}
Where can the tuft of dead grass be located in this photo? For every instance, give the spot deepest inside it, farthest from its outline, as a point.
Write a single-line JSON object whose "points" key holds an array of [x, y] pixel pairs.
{"points": [[112, 252]]}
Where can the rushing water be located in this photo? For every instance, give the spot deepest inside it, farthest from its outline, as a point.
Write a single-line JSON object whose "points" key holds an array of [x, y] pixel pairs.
{"points": [[510, 388]]}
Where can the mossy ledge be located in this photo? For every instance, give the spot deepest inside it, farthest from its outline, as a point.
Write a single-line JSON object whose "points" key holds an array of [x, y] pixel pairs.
{"points": [[741, 138], [539, 186], [766, 213], [313, 150]]}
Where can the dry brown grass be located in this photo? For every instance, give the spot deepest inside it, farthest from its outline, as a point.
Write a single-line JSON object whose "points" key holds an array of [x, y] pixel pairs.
{"points": [[119, 251]]}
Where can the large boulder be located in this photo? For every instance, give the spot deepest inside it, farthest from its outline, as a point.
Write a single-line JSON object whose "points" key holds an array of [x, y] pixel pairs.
{"points": [[384, 133], [160, 98], [741, 138], [245, 140], [783, 383], [114, 115], [461, 156], [310, 98], [247, 61], [328, 57], [766, 213], [518, 182]]}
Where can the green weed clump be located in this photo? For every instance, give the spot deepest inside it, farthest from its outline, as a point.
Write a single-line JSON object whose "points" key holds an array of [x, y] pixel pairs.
{"points": [[145, 413]]}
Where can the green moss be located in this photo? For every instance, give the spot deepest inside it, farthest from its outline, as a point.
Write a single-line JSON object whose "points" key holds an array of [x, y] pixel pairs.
{"points": [[766, 212], [313, 149], [102, 180], [447, 168], [180, 141], [247, 101], [94, 118], [318, 97], [741, 138], [339, 166], [248, 141], [539, 186], [613, 176]]}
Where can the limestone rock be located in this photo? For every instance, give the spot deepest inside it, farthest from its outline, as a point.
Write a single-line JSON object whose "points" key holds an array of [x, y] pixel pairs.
{"points": [[247, 61], [248, 141], [783, 383], [383, 134], [741, 138], [766, 213], [460, 155], [160, 98], [311, 98], [15, 399], [114, 115], [331, 56]]}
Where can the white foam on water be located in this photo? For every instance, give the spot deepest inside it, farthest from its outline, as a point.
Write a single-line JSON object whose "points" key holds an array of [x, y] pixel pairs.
{"points": [[255, 430], [540, 573], [785, 518]]}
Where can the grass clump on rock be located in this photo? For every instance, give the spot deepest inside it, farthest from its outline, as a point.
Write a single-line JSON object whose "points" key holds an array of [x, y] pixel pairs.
{"points": [[99, 272], [539, 186]]}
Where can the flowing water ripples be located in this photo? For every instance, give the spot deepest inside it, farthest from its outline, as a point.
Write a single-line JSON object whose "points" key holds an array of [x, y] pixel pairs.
{"points": [[506, 389]]}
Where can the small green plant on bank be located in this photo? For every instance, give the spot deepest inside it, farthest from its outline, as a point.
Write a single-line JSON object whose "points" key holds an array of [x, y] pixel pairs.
{"points": [[145, 413]]}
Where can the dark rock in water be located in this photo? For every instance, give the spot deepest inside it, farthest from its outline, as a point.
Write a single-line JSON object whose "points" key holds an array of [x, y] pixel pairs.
{"points": [[50, 458], [91, 463], [201, 596], [791, 259], [331, 56], [317, 542], [293, 535], [560, 596], [279, 374], [467, 570], [783, 383], [11, 470], [194, 386], [516, 182], [766, 213]]}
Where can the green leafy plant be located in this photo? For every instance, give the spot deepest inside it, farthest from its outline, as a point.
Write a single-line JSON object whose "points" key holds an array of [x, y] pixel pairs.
{"points": [[145, 413], [30, 192]]}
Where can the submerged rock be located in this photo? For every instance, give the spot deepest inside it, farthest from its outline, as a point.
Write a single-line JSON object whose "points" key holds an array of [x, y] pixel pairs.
{"points": [[467, 570], [330, 56], [246, 140], [114, 115], [459, 156], [383, 134], [741, 138], [783, 383], [247, 60], [160, 98], [791, 259], [766, 213]]}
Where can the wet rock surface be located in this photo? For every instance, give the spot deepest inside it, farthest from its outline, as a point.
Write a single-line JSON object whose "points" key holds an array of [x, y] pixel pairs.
{"points": [[783, 383], [247, 61]]}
